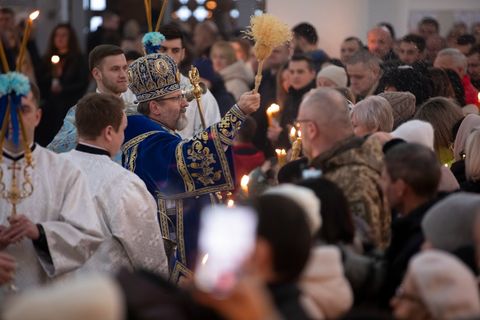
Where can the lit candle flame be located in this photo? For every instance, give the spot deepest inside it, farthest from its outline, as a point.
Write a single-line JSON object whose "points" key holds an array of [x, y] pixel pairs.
{"points": [[293, 134], [244, 183], [281, 156], [230, 203], [478, 97], [205, 258], [34, 15], [274, 108], [299, 133], [272, 112], [55, 59]]}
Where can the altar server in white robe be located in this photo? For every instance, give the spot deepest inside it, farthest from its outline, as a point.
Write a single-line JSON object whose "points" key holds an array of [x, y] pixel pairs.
{"points": [[127, 211], [56, 228]]}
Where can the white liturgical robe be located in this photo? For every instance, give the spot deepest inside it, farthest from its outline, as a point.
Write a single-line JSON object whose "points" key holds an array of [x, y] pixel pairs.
{"points": [[61, 203], [128, 215]]}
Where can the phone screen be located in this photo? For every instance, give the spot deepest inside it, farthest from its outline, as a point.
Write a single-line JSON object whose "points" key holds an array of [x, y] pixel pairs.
{"points": [[226, 239]]}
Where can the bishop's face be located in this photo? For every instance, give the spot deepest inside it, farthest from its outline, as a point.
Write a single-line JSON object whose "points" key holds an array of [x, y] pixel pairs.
{"points": [[170, 110]]}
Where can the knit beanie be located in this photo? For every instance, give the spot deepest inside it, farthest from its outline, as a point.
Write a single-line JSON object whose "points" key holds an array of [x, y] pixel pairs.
{"points": [[448, 225], [403, 106], [415, 131], [305, 199], [445, 285], [334, 73]]}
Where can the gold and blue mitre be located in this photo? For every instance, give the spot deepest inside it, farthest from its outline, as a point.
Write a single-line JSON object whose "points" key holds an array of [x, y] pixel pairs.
{"points": [[153, 76]]}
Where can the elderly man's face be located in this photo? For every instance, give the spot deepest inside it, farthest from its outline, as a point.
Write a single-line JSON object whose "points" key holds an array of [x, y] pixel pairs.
{"points": [[170, 110], [379, 42], [447, 62], [362, 78]]}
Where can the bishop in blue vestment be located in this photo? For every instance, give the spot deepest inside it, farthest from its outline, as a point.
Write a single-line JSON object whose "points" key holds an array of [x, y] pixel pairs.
{"points": [[181, 174]]}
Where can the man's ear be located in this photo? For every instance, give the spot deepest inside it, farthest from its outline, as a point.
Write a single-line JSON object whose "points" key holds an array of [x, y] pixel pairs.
{"points": [[96, 74], [38, 116], [312, 129], [154, 107], [107, 133]]}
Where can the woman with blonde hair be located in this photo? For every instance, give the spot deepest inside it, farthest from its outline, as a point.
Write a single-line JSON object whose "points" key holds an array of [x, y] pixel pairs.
{"points": [[370, 115], [443, 114], [472, 162], [234, 72]]}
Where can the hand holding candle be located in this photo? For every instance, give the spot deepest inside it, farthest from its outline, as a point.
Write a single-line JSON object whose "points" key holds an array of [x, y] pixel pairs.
{"points": [[296, 147], [272, 113], [281, 157], [244, 184]]}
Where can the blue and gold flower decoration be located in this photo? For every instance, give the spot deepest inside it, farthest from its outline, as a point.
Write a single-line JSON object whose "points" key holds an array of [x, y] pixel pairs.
{"points": [[152, 41], [13, 86]]}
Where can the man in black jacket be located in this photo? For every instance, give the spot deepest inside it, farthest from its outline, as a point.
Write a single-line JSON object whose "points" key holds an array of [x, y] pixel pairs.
{"points": [[410, 180], [302, 80]]}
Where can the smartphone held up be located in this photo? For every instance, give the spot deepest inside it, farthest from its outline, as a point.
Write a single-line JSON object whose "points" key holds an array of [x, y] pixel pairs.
{"points": [[226, 240]]}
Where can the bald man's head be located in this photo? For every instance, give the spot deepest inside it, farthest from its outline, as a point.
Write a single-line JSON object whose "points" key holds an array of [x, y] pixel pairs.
{"points": [[325, 117], [379, 41]]}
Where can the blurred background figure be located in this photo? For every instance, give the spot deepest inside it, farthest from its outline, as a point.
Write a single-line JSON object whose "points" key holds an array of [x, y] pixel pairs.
{"points": [[238, 76], [132, 37], [348, 48], [62, 83], [107, 33], [305, 40], [246, 156], [205, 34], [437, 286]]}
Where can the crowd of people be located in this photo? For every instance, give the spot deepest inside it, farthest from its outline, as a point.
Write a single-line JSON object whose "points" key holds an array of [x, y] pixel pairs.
{"points": [[377, 218]]}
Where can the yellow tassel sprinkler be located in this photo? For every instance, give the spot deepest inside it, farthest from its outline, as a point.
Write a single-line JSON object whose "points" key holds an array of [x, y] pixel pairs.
{"points": [[268, 32]]}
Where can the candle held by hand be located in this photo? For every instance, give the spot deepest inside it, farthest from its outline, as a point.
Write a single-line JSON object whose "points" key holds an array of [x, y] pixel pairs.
{"points": [[272, 113], [281, 157], [244, 184]]}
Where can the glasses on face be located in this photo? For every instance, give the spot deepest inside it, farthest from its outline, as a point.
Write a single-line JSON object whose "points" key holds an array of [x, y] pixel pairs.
{"points": [[297, 122], [177, 98]]}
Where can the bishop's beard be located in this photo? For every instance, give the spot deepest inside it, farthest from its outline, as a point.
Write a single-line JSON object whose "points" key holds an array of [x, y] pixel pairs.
{"points": [[181, 122]]}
